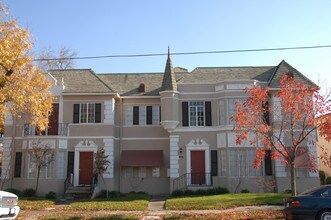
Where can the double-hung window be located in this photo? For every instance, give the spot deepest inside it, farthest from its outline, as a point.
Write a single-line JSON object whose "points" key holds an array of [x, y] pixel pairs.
{"points": [[196, 113], [87, 113]]}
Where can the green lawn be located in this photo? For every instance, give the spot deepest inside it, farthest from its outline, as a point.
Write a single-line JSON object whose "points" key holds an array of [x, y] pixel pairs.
{"points": [[129, 202], [224, 201], [35, 203]]}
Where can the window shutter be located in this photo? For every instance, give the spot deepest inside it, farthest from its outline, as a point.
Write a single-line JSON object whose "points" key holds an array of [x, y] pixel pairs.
{"points": [[98, 113], [18, 164], [185, 113], [208, 113], [136, 115], [76, 113], [214, 168], [71, 160], [149, 115], [267, 163]]}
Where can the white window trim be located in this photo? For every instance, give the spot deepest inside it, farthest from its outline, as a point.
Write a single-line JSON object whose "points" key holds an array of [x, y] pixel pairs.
{"points": [[157, 174], [43, 170], [87, 113], [142, 172], [196, 116]]}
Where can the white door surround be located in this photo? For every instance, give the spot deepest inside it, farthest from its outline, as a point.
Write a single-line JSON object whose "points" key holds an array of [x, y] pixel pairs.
{"points": [[201, 145], [82, 146]]}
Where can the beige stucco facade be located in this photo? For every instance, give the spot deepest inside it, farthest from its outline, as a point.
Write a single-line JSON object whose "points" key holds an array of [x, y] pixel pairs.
{"points": [[151, 120]]}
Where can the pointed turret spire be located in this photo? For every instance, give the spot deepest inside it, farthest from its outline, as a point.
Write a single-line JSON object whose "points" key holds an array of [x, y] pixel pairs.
{"points": [[169, 79]]}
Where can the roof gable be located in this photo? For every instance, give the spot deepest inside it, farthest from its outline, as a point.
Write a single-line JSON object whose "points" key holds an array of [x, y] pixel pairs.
{"points": [[282, 68], [80, 81]]}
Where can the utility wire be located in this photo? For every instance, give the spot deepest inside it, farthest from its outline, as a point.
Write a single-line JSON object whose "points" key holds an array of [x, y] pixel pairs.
{"points": [[184, 53]]}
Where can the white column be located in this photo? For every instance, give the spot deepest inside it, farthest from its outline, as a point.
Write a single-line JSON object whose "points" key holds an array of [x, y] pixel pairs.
{"points": [[174, 157], [109, 151], [109, 111], [6, 159]]}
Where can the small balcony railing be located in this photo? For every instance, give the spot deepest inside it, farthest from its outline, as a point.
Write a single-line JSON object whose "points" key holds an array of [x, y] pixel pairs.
{"points": [[59, 129]]}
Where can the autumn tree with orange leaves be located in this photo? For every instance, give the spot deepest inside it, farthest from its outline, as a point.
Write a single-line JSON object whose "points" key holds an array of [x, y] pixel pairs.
{"points": [[24, 89], [284, 122]]}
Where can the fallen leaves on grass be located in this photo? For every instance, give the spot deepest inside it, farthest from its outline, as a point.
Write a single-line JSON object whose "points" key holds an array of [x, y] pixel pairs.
{"points": [[230, 215]]}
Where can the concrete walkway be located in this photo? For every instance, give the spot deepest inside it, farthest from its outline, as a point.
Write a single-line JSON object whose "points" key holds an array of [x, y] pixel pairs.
{"points": [[156, 204]]}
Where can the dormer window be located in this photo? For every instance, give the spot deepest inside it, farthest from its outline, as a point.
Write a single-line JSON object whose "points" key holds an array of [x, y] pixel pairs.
{"points": [[141, 87]]}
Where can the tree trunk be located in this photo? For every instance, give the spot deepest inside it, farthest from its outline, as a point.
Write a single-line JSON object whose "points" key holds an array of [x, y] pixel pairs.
{"points": [[38, 173], [293, 179]]}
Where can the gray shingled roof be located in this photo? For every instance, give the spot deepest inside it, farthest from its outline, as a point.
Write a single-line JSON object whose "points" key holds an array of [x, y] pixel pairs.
{"points": [[219, 74], [283, 68], [169, 79], [81, 81], [127, 84]]}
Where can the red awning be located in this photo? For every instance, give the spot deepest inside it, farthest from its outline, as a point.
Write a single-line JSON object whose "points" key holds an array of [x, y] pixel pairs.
{"points": [[141, 158]]}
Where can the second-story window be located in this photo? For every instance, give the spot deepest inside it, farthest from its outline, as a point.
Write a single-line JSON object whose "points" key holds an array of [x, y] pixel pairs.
{"points": [[196, 113], [87, 113], [142, 115]]}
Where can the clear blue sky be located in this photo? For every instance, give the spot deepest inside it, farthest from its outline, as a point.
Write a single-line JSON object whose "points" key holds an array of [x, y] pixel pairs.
{"points": [[107, 27]]}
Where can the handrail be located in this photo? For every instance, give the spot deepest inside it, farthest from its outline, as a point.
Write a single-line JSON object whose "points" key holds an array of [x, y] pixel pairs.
{"points": [[59, 129], [192, 179], [68, 182], [94, 183]]}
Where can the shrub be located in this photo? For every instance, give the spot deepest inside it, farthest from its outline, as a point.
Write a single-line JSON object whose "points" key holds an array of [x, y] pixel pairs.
{"points": [[328, 180], [29, 192], [50, 195], [113, 194], [322, 177], [288, 191], [188, 192], [211, 191], [177, 192], [245, 191], [15, 191], [201, 192], [221, 190]]}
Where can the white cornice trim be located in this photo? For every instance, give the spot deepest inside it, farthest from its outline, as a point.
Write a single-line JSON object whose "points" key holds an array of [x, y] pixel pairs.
{"points": [[88, 137], [140, 97], [78, 94], [203, 129]]}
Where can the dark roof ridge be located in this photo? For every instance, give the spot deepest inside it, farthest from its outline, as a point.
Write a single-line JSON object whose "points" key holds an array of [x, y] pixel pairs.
{"points": [[96, 76], [215, 67], [129, 73], [84, 69]]}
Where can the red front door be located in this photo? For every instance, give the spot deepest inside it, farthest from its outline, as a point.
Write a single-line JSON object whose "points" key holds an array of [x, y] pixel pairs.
{"points": [[85, 168], [198, 175]]}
